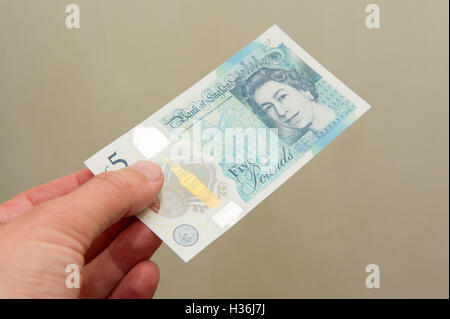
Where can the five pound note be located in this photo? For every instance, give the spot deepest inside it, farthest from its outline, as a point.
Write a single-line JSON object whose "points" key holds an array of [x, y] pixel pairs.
{"points": [[234, 137]]}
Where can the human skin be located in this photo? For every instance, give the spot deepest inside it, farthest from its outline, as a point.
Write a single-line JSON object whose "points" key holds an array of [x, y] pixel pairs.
{"points": [[87, 221]]}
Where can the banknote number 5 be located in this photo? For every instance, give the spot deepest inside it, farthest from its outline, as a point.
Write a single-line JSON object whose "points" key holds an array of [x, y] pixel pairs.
{"points": [[116, 161]]}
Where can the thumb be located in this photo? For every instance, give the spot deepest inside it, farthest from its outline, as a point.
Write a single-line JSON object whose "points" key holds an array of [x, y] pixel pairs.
{"points": [[89, 210]]}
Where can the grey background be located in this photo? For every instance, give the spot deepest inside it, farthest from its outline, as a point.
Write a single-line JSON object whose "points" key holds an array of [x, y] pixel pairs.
{"points": [[377, 194]]}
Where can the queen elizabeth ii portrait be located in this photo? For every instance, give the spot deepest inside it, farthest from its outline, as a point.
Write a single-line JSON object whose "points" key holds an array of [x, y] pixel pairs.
{"points": [[284, 99]]}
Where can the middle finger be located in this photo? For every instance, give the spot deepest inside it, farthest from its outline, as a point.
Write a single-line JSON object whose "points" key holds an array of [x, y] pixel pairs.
{"points": [[136, 243]]}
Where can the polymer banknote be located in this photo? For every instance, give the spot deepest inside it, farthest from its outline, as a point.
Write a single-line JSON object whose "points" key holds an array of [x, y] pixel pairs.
{"points": [[234, 137]]}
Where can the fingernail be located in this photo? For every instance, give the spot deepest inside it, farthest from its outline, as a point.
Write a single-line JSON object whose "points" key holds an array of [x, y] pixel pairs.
{"points": [[151, 170]]}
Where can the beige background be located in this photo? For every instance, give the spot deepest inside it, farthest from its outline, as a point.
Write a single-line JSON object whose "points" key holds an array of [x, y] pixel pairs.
{"points": [[377, 194]]}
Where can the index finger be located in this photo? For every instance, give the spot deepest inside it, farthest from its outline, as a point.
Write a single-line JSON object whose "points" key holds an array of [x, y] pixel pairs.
{"points": [[23, 202]]}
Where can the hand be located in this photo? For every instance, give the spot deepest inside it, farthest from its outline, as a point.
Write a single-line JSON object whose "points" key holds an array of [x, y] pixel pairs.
{"points": [[87, 221]]}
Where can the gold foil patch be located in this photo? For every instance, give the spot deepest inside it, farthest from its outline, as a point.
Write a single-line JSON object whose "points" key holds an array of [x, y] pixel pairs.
{"points": [[194, 185]]}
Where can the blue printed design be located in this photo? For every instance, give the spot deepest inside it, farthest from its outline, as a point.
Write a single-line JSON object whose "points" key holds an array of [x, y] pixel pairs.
{"points": [[264, 87]]}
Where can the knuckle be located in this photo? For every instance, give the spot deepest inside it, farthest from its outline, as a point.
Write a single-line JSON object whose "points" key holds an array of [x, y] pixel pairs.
{"points": [[121, 182]]}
